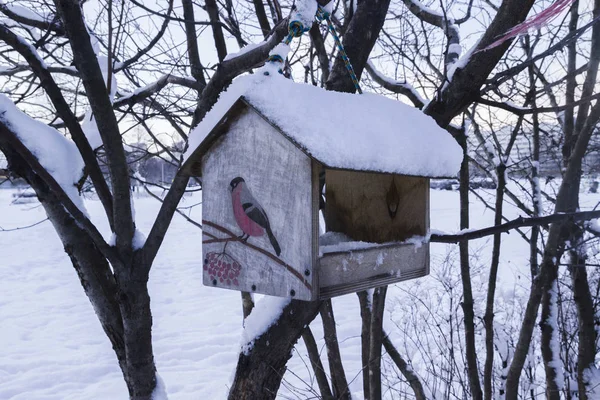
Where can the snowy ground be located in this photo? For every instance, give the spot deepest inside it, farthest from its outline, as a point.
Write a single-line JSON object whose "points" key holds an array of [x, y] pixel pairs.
{"points": [[52, 346]]}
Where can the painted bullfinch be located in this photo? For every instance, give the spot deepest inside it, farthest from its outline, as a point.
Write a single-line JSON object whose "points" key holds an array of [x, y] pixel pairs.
{"points": [[249, 214]]}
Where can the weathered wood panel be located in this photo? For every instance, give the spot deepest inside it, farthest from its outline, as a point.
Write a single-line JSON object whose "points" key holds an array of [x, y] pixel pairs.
{"points": [[374, 207], [351, 271], [240, 251], [317, 168]]}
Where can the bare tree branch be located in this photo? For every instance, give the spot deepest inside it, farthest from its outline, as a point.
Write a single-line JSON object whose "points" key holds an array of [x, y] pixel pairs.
{"points": [[155, 87], [65, 113], [150, 45], [405, 369], [513, 224], [213, 15], [315, 361], [87, 65]]}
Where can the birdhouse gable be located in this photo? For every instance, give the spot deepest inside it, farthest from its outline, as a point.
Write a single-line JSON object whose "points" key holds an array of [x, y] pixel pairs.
{"points": [[257, 211], [342, 131]]}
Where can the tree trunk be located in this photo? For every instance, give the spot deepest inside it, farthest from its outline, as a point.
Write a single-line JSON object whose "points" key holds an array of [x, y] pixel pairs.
{"points": [[137, 324], [122, 306], [548, 325], [260, 369], [376, 339], [365, 337], [587, 330]]}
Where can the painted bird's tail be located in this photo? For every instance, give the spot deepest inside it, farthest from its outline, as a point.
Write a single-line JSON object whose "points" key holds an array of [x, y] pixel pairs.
{"points": [[273, 241]]}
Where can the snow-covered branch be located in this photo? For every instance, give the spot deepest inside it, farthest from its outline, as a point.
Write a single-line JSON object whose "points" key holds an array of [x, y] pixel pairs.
{"points": [[464, 86], [229, 69], [515, 223], [53, 158], [9, 71], [155, 87], [27, 17], [395, 86]]}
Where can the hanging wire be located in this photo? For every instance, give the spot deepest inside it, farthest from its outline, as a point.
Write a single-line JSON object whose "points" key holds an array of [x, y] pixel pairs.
{"points": [[296, 29], [323, 15]]}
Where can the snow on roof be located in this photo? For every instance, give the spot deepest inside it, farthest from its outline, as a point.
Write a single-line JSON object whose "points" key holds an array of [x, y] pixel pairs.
{"points": [[57, 154], [364, 132]]}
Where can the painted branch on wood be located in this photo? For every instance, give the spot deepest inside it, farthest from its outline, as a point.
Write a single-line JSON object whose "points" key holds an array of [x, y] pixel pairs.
{"points": [[233, 238]]}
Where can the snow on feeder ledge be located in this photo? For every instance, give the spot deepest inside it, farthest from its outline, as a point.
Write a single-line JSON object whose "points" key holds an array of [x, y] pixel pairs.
{"points": [[271, 150]]}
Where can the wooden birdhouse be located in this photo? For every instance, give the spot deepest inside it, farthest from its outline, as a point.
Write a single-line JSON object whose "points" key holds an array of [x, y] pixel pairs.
{"points": [[279, 160]]}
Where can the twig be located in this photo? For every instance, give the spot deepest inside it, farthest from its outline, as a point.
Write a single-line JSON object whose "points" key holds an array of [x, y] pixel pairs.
{"points": [[177, 210], [22, 227]]}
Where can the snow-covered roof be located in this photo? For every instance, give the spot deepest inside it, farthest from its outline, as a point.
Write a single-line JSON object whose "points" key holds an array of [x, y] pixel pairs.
{"points": [[364, 132]]}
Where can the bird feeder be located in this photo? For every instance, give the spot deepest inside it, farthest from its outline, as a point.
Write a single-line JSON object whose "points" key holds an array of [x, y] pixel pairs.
{"points": [[279, 160]]}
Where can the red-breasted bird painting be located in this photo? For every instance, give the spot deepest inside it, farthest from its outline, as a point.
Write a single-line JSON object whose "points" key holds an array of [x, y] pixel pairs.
{"points": [[249, 214]]}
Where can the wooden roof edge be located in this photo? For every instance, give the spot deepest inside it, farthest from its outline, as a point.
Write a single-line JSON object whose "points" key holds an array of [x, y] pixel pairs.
{"points": [[189, 166]]}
